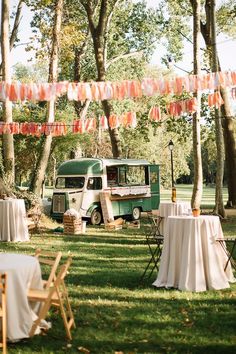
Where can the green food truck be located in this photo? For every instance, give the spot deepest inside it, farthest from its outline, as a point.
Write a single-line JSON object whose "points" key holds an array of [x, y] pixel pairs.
{"points": [[133, 186]]}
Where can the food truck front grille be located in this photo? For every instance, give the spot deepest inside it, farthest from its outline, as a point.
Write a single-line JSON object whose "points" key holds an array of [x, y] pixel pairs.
{"points": [[59, 203]]}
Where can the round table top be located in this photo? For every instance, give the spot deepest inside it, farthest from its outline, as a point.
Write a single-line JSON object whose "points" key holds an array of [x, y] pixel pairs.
{"points": [[179, 207]]}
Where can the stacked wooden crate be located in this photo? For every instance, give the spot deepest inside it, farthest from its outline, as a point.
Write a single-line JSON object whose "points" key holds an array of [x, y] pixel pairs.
{"points": [[72, 224]]}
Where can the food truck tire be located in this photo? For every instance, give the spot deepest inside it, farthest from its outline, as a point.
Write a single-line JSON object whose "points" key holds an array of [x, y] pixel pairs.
{"points": [[136, 213], [96, 217]]}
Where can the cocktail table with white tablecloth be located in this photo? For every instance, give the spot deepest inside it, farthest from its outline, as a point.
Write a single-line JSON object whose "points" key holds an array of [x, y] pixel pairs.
{"points": [[191, 258], [168, 208], [13, 225], [22, 272], [174, 208]]}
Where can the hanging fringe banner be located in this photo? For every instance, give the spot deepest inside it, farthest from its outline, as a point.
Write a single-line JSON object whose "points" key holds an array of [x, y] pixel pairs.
{"points": [[126, 120], [185, 106], [99, 91], [215, 100]]}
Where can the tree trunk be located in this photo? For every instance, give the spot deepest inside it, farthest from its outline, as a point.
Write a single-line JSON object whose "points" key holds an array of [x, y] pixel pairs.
{"points": [[7, 139], [197, 185], [229, 128], [114, 133], [98, 35], [219, 204], [227, 119], [15, 28], [40, 173], [80, 108]]}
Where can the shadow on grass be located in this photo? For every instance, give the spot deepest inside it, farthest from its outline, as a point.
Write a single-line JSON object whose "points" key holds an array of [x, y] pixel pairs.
{"points": [[115, 312], [143, 324]]}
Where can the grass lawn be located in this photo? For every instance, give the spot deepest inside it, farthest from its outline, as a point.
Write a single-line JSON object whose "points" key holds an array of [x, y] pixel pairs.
{"points": [[184, 192], [114, 312]]}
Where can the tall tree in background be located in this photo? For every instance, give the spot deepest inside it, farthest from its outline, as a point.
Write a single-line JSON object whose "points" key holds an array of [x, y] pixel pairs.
{"points": [[198, 179], [226, 19], [219, 204], [7, 139], [98, 32], [123, 59], [226, 109], [41, 167]]}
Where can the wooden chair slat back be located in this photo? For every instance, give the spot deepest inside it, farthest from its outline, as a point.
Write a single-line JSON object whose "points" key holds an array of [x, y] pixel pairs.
{"points": [[51, 259], [63, 272]]}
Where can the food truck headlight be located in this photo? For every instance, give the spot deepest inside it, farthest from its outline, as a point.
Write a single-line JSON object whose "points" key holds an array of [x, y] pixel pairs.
{"points": [[73, 200]]}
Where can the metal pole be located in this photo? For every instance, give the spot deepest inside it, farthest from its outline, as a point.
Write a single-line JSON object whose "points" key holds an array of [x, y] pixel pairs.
{"points": [[172, 169]]}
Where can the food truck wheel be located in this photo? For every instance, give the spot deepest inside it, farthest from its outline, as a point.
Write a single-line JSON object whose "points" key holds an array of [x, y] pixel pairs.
{"points": [[96, 217], [136, 213]]}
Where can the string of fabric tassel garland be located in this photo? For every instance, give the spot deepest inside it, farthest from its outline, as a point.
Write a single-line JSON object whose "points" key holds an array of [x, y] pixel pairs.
{"points": [[118, 90]]}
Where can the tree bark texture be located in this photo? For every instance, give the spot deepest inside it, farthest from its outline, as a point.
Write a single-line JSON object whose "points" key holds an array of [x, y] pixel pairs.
{"points": [[40, 173], [80, 108], [7, 139], [98, 33], [198, 176], [219, 203], [229, 128]]}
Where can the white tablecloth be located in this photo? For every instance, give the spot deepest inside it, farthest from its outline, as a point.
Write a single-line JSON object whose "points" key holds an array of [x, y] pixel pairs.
{"points": [[173, 209], [13, 225], [191, 258], [22, 272]]}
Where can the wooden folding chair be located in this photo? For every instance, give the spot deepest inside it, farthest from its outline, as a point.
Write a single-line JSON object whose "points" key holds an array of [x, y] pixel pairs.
{"points": [[3, 313], [55, 295], [50, 260]]}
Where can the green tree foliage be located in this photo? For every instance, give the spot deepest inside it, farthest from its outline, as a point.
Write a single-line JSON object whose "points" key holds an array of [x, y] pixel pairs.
{"points": [[134, 31], [226, 18]]}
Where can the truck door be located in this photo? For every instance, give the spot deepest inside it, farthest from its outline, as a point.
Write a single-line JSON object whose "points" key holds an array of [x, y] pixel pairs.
{"points": [[155, 186]]}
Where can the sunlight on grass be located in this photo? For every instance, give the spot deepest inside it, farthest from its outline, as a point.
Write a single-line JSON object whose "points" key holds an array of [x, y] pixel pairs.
{"points": [[115, 311]]}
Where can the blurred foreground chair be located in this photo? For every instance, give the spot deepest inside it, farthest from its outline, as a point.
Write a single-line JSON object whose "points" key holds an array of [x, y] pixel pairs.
{"points": [[57, 296], [3, 312], [50, 262], [154, 240], [228, 250]]}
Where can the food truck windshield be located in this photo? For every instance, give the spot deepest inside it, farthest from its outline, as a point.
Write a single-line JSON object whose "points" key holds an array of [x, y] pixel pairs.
{"points": [[70, 182]]}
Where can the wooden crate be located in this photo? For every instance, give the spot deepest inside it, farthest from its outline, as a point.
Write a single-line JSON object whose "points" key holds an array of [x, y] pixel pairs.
{"points": [[113, 227], [72, 224], [134, 225]]}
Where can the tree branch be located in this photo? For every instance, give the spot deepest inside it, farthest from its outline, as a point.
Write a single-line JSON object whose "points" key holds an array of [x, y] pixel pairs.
{"points": [[124, 56], [88, 8], [20, 44], [101, 27], [16, 24], [15, 28], [107, 30]]}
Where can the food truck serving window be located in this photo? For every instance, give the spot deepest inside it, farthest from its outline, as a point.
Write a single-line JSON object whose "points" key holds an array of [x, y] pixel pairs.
{"points": [[137, 175], [70, 182], [127, 175]]}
